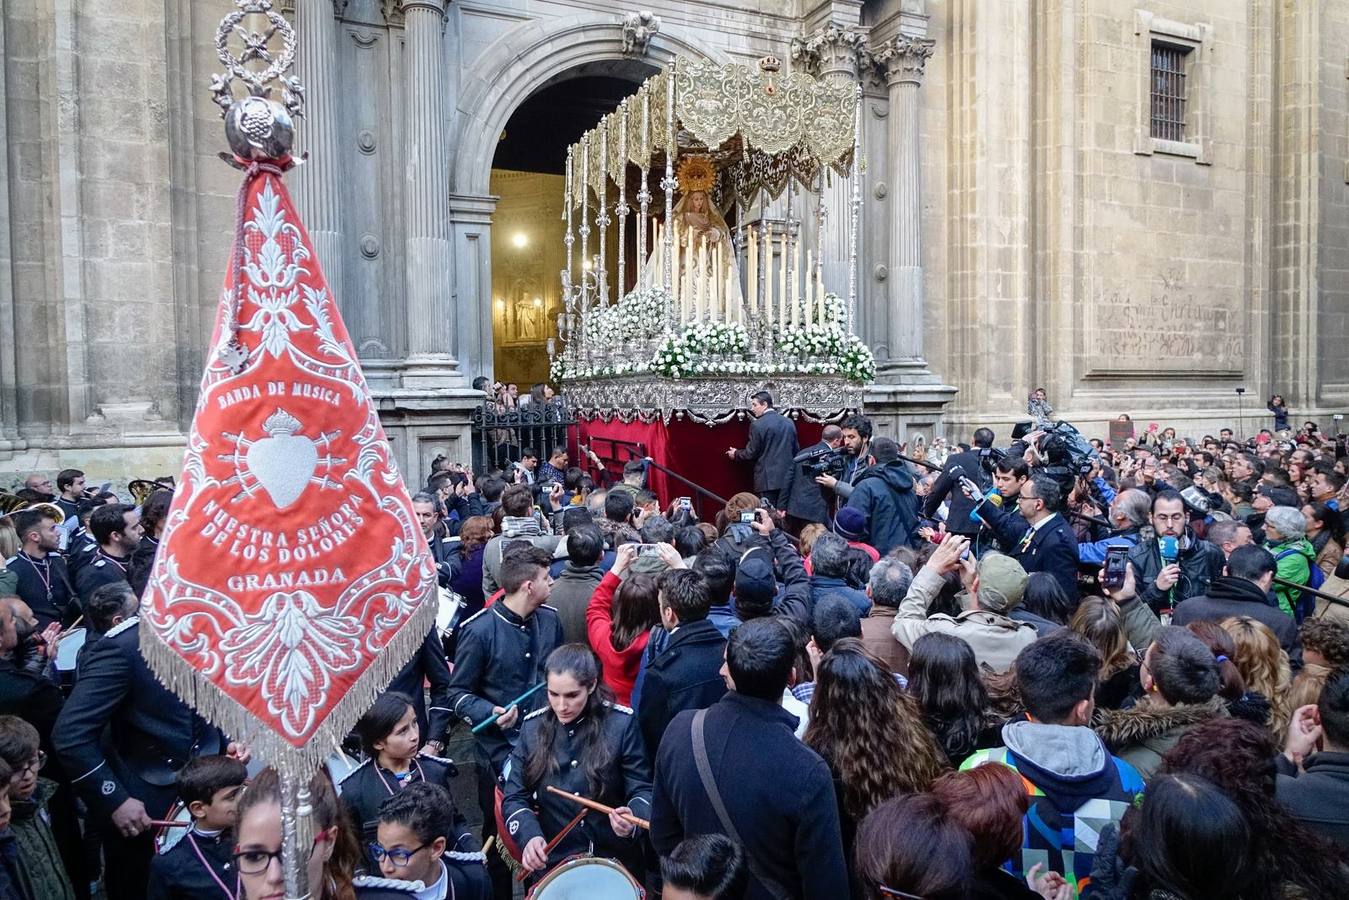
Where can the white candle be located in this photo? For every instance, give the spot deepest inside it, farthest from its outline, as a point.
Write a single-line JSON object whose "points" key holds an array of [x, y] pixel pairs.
{"points": [[819, 291], [809, 286], [752, 260], [796, 286], [700, 282], [719, 283], [783, 299], [767, 252], [734, 311], [655, 258]]}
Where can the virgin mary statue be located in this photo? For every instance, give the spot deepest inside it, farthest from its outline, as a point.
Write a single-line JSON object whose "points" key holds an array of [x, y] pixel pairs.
{"points": [[697, 221]]}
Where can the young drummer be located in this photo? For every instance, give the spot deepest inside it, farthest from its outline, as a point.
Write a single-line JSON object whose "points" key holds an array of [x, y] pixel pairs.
{"points": [[200, 865]]}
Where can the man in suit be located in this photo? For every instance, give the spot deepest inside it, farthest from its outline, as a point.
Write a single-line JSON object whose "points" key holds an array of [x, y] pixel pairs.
{"points": [[1035, 535], [807, 503], [123, 737], [772, 444], [968, 463]]}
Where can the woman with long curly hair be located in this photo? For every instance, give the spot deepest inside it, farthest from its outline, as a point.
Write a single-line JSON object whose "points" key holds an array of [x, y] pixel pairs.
{"points": [[869, 732], [944, 679], [584, 744], [257, 855], [1264, 667], [1286, 859]]}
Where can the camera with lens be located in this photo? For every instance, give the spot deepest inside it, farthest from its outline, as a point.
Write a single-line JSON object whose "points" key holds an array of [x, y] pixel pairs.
{"points": [[817, 461], [990, 458]]}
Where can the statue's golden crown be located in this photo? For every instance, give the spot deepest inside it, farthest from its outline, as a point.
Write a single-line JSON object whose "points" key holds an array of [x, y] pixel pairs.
{"points": [[696, 173]]}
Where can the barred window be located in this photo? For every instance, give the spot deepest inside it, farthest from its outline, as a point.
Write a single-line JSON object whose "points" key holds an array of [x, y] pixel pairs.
{"points": [[1168, 91]]}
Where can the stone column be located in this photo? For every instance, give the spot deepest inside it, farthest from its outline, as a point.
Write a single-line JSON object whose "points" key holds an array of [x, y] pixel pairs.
{"points": [[902, 59], [832, 52], [430, 302], [317, 185]]}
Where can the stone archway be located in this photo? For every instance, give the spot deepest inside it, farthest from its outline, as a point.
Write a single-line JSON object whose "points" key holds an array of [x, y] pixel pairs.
{"points": [[532, 55], [518, 64]]}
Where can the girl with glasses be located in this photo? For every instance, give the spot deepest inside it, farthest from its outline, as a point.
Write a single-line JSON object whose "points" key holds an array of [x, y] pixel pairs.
{"points": [[390, 739]]}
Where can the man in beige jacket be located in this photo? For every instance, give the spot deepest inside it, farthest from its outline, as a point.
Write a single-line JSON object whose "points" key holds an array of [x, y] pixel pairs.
{"points": [[993, 588]]}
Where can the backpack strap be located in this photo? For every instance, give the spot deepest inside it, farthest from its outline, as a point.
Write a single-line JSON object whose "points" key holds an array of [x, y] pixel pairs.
{"points": [[714, 795]]}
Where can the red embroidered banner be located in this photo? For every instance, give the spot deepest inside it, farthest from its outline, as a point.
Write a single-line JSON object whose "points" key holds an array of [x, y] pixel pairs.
{"points": [[292, 581]]}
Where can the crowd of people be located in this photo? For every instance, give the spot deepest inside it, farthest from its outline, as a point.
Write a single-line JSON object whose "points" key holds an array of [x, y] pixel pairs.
{"points": [[1042, 666]]}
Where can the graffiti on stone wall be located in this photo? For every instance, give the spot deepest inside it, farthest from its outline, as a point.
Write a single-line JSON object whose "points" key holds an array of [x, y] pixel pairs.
{"points": [[1173, 328]]}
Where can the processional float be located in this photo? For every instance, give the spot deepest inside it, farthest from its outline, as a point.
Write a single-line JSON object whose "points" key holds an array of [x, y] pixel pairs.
{"points": [[292, 582], [714, 313]]}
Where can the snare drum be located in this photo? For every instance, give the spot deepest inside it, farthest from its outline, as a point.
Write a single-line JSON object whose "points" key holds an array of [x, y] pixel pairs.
{"points": [[69, 649], [587, 878], [168, 838], [340, 765]]}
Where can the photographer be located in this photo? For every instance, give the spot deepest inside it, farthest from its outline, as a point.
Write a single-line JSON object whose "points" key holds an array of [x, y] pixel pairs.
{"points": [[975, 463], [807, 503], [857, 446], [884, 494]]}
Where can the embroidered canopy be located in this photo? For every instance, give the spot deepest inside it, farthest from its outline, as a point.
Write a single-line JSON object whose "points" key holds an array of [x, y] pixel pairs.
{"points": [[765, 127]]}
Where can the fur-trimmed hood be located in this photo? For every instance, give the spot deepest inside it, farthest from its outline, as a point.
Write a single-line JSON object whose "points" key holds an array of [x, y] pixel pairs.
{"points": [[1148, 719]]}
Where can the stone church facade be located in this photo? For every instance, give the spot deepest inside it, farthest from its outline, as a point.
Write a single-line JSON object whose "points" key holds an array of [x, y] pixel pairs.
{"points": [[1139, 206]]}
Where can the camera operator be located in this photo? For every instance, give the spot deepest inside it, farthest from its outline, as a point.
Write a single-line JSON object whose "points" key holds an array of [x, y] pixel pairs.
{"points": [[857, 446], [971, 463], [807, 503], [884, 494]]}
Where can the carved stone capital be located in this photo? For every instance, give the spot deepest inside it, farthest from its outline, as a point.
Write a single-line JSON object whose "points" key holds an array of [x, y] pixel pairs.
{"points": [[392, 11], [638, 30], [831, 51], [901, 59]]}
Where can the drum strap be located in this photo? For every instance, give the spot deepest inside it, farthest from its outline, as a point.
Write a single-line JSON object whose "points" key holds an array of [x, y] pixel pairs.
{"points": [[714, 795]]}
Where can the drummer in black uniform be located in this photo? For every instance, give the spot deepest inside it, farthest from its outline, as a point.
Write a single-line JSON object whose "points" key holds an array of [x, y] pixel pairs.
{"points": [[584, 744], [500, 656], [391, 739]]}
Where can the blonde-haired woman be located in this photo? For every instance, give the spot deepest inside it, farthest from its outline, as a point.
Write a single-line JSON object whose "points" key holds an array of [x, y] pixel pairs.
{"points": [[1264, 667]]}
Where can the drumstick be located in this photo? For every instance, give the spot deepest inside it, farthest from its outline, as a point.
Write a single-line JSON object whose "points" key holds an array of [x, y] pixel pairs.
{"points": [[548, 848], [73, 626], [600, 807], [487, 844], [490, 720], [165, 823]]}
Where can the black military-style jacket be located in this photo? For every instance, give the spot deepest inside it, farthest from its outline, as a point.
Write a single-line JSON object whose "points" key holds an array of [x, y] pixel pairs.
{"points": [[368, 785], [530, 811], [44, 584], [500, 656], [180, 875], [150, 733], [103, 569]]}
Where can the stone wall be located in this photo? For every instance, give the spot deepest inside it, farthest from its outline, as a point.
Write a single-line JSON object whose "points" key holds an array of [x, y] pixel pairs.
{"points": [[1034, 235]]}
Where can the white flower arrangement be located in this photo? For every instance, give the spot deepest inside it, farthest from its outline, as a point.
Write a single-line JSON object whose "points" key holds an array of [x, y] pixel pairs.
{"points": [[715, 348], [639, 315]]}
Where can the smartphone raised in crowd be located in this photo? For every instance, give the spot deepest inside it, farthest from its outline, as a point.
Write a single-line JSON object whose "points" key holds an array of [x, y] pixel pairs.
{"points": [[1116, 563], [648, 549]]}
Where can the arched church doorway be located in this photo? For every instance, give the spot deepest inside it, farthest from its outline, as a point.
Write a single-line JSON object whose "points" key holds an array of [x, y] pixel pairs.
{"points": [[528, 167]]}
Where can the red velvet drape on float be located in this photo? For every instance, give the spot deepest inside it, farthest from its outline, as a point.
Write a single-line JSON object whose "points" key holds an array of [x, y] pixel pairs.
{"points": [[697, 452]]}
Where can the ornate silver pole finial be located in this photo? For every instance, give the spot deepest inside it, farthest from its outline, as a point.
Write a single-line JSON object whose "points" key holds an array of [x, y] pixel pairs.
{"points": [[257, 127]]}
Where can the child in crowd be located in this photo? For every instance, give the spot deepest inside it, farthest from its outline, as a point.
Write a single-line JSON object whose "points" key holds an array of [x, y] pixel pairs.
{"points": [[201, 864], [13, 886], [38, 857], [412, 848], [390, 738]]}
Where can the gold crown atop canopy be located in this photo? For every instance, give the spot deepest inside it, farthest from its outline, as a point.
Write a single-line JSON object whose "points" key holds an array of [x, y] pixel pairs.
{"points": [[696, 173]]}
